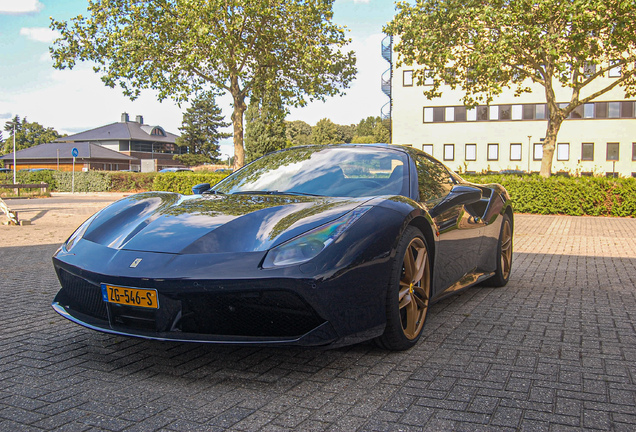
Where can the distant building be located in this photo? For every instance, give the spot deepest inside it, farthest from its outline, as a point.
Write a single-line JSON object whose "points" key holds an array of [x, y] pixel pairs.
{"points": [[598, 138], [151, 146], [58, 156]]}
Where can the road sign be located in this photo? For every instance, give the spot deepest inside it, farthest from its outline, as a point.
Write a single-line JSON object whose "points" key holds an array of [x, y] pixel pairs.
{"points": [[75, 152]]}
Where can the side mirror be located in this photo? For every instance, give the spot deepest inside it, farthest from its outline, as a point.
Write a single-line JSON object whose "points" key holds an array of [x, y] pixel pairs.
{"points": [[200, 188], [459, 195]]}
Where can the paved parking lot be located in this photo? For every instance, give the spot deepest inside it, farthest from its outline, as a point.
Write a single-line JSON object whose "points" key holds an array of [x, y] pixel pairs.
{"points": [[553, 350]]}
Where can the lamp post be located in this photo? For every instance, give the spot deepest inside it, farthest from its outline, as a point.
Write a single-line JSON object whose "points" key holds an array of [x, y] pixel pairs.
{"points": [[12, 123], [529, 151]]}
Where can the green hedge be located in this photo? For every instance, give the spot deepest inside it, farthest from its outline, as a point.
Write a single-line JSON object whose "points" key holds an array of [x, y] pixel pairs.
{"points": [[91, 181], [132, 181], [182, 182], [577, 196]]}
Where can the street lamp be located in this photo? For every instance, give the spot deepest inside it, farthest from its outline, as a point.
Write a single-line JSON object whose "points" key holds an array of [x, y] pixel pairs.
{"points": [[12, 123]]}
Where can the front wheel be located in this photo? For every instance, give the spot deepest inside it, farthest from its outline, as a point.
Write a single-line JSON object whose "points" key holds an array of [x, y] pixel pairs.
{"points": [[409, 293], [504, 254]]}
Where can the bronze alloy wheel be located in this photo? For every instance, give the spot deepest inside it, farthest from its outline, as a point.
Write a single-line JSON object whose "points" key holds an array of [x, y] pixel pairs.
{"points": [[415, 288], [506, 249]]}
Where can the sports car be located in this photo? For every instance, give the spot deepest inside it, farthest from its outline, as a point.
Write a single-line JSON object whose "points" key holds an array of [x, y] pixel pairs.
{"points": [[312, 246]]}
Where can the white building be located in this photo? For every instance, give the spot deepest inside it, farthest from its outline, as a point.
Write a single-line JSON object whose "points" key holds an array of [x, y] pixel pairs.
{"points": [[598, 138]]}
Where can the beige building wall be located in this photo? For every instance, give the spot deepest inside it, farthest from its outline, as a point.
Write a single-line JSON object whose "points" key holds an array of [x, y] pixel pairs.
{"points": [[410, 107]]}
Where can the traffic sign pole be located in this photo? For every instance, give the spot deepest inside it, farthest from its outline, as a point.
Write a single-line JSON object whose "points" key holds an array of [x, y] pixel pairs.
{"points": [[74, 152]]}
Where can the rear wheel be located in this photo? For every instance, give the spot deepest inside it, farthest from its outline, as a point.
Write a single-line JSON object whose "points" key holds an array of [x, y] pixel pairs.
{"points": [[504, 254], [409, 293]]}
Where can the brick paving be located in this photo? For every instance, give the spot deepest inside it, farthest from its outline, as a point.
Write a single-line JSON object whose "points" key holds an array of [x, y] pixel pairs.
{"points": [[553, 350]]}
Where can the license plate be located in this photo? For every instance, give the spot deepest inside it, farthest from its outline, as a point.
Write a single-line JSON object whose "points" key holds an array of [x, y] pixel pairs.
{"points": [[146, 298]]}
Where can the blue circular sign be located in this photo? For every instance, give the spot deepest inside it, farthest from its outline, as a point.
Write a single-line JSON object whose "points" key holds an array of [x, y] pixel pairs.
{"points": [[75, 152]]}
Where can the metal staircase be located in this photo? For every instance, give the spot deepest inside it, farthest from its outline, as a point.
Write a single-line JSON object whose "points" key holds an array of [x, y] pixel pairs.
{"points": [[387, 77]]}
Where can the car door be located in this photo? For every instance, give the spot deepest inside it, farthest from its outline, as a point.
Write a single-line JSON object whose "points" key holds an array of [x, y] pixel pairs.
{"points": [[458, 229]]}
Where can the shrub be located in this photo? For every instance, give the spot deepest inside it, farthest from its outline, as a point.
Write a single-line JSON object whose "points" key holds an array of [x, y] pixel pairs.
{"points": [[132, 181], [577, 196], [182, 182], [91, 181]]}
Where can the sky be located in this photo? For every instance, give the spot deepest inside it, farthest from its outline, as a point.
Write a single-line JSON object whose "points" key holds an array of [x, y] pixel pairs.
{"points": [[75, 100]]}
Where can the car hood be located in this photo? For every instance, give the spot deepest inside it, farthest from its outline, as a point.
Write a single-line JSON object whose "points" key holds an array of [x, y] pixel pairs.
{"points": [[173, 223]]}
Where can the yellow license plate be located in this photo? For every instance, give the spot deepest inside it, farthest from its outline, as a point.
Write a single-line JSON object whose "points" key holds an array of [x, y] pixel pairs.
{"points": [[146, 298]]}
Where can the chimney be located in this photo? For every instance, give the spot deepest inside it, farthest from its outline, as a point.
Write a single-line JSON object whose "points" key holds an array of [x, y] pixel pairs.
{"points": [[140, 119], [124, 118]]}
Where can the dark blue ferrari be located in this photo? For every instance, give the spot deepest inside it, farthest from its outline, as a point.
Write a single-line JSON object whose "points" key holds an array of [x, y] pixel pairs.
{"points": [[312, 246]]}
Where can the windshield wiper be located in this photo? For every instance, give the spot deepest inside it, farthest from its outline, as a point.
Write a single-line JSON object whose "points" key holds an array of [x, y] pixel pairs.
{"points": [[213, 192]]}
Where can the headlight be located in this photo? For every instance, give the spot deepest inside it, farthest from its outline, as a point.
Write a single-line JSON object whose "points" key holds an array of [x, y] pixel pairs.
{"points": [[79, 233], [308, 245]]}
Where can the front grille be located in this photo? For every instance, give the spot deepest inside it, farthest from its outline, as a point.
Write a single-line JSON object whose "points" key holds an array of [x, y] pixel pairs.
{"points": [[260, 314], [82, 296]]}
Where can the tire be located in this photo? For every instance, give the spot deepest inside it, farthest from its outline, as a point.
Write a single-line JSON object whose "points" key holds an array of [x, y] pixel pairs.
{"points": [[408, 294], [504, 255]]}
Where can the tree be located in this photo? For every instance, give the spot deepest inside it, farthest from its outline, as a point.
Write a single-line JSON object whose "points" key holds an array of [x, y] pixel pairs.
{"points": [[242, 48], [191, 159], [27, 134], [297, 133], [326, 132], [264, 126], [484, 47], [200, 133]]}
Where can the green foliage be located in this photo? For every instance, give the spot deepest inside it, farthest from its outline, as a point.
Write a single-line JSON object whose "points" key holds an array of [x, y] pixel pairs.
{"points": [[297, 133], [236, 46], [265, 126], [483, 47], [131, 181], [577, 196], [27, 134], [28, 177], [91, 181], [326, 132], [189, 159], [182, 182], [200, 134]]}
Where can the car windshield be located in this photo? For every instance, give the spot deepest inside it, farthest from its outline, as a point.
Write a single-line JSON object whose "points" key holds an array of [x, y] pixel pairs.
{"points": [[325, 171]]}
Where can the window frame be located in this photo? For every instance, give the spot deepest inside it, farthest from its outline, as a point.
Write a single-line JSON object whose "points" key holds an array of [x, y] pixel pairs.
{"points": [[494, 146], [452, 147], [560, 146], [404, 75], [520, 151], [536, 146], [583, 146], [607, 151], [474, 147], [424, 146]]}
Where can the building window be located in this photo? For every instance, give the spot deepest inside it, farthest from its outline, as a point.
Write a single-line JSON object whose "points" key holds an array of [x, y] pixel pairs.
{"points": [[588, 110], [460, 113], [428, 77], [428, 148], [428, 115], [614, 72], [493, 152], [471, 152], [482, 113], [438, 114], [515, 152], [612, 151], [471, 114], [407, 78], [494, 112], [505, 112], [614, 109], [158, 132], [587, 151], [627, 109], [577, 113], [449, 152], [528, 112], [517, 112], [600, 110], [539, 112], [563, 151], [589, 69], [537, 151], [449, 114], [634, 151]]}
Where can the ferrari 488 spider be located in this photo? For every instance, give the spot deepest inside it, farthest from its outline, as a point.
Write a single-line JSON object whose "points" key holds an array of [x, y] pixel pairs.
{"points": [[312, 246]]}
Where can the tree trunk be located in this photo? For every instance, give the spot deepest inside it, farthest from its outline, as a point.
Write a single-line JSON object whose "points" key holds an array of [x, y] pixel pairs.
{"points": [[237, 122], [554, 124]]}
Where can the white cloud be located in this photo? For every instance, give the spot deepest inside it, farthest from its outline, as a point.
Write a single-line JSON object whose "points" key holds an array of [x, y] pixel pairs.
{"points": [[17, 7], [40, 34]]}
